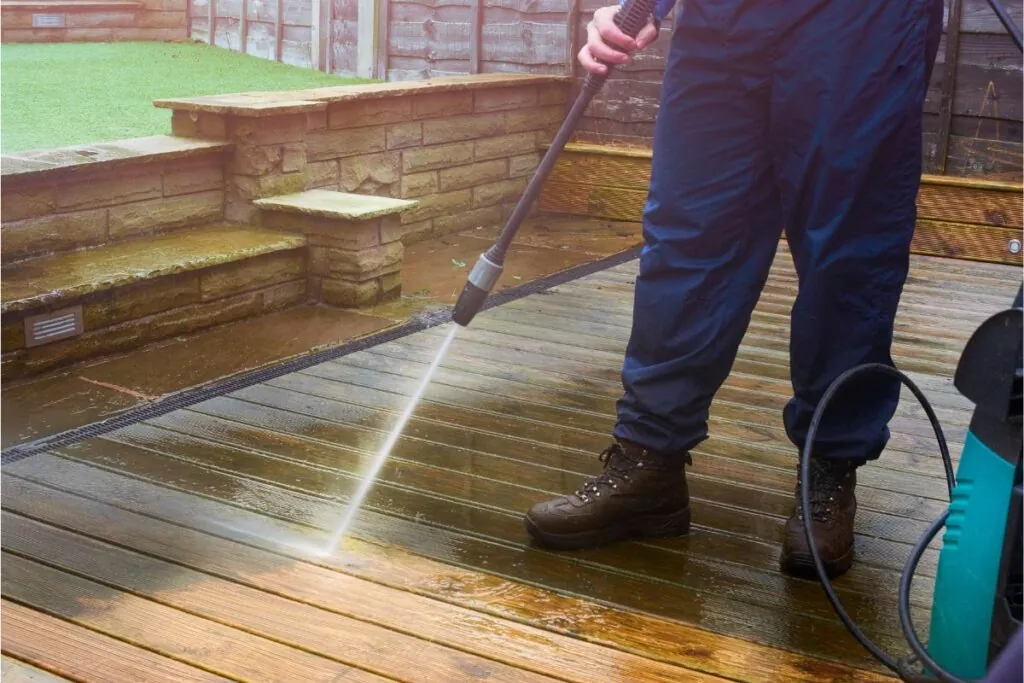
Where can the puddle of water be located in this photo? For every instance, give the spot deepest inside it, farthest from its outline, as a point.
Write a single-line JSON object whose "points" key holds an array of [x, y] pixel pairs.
{"points": [[382, 455]]}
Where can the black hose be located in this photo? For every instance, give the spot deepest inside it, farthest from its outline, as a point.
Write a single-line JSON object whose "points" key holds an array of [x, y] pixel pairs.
{"points": [[906, 622], [918, 550]]}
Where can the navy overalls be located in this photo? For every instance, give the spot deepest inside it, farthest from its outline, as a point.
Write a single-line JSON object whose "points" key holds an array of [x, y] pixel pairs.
{"points": [[803, 115]]}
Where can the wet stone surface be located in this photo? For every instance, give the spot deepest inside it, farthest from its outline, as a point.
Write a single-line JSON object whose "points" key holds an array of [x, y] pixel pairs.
{"points": [[433, 272], [48, 280]]}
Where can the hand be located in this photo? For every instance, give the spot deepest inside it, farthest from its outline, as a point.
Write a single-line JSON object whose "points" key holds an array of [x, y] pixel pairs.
{"points": [[606, 43]]}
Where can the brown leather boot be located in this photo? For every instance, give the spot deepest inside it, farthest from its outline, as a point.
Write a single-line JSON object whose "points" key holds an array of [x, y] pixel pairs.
{"points": [[640, 493], [833, 507]]}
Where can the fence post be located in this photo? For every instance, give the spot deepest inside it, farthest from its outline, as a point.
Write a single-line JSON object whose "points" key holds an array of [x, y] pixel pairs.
{"points": [[320, 38], [476, 28], [383, 25], [946, 102], [244, 28], [278, 30], [366, 38], [211, 21], [572, 42]]}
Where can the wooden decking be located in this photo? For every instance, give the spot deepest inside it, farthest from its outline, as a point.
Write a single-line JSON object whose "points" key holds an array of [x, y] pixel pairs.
{"points": [[184, 548]]}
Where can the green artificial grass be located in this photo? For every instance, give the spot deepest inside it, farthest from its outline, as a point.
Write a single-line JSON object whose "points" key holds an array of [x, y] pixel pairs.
{"points": [[62, 94]]}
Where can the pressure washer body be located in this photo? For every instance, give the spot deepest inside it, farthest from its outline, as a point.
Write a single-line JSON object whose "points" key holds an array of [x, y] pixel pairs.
{"points": [[976, 607]]}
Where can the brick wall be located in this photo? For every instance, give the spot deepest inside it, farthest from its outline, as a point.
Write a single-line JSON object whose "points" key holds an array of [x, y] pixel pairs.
{"points": [[150, 185], [463, 148], [95, 21]]}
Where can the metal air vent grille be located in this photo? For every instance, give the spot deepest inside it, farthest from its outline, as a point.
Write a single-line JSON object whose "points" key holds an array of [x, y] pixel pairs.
{"points": [[51, 327]]}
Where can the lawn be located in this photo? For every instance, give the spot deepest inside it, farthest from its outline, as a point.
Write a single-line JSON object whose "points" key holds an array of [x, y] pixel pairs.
{"points": [[56, 95]]}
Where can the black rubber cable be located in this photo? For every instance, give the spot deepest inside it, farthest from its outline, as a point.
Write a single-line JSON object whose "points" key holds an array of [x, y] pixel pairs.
{"points": [[906, 622], [915, 556]]}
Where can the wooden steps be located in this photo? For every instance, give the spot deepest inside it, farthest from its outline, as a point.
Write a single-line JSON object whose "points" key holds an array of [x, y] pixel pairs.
{"points": [[69, 306], [355, 242], [963, 218]]}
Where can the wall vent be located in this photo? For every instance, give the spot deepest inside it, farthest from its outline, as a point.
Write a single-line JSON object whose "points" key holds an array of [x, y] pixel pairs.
{"points": [[47, 21], [51, 327]]}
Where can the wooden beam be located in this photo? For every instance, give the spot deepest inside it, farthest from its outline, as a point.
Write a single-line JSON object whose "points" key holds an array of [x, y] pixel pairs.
{"points": [[320, 35], [278, 30], [383, 38], [327, 35], [476, 29], [243, 32], [211, 21], [952, 56], [573, 42], [366, 38], [315, 31]]}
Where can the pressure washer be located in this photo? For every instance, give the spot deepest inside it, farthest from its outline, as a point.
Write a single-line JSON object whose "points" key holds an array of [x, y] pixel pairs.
{"points": [[976, 607]]}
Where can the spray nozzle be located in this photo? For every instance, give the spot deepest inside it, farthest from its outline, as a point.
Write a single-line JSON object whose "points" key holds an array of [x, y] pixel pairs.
{"points": [[481, 280]]}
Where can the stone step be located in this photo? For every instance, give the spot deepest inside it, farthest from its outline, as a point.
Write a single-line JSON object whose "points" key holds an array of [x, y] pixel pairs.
{"points": [[115, 297], [63, 200], [355, 242], [345, 206]]}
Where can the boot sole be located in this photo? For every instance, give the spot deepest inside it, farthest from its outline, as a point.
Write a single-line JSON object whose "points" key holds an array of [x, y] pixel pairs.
{"points": [[802, 566], [654, 526]]}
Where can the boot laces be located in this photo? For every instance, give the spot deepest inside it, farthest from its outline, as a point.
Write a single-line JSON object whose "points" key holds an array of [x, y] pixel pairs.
{"points": [[617, 466], [827, 482]]}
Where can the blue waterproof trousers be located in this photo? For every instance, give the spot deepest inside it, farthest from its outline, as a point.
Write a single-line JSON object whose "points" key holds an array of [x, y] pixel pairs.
{"points": [[803, 115]]}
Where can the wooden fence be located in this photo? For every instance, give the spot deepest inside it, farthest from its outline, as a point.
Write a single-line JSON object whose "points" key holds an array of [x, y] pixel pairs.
{"points": [[393, 39], [973, 111]]}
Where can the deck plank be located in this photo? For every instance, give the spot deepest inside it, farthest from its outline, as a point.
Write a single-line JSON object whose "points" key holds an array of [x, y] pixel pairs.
{"points": [[201, 643], [14, 671], [296, 624], [517, 645], [519, 408], [594, 574], [83, 655], [537, 624]]}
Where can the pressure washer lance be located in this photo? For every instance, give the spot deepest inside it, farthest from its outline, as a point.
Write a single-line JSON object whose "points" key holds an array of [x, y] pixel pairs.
{"points": [[631, 18]]}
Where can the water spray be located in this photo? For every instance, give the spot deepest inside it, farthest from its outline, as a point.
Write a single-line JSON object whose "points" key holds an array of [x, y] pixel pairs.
{"points": [[385, 450], [631, 19]]}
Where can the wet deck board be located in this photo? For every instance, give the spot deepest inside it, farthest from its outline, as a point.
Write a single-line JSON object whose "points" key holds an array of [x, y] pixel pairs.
{"points": [[15, 671], [202, 519]]}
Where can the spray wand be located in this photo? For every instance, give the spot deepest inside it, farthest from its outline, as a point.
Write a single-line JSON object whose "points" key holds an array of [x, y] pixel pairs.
{"points": [[630, 19]]}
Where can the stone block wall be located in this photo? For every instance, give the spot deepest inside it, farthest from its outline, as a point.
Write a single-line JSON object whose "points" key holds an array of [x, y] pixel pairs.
{"points": [[95, 21], [352, 263], [462, 147], [62, 200], [128, 317]]}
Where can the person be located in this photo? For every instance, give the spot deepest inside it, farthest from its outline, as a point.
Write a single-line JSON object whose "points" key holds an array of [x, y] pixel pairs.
{"points": [[803, 117]]}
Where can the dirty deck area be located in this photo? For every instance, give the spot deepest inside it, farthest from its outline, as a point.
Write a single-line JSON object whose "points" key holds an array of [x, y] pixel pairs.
{"points": [[185, 547]]}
